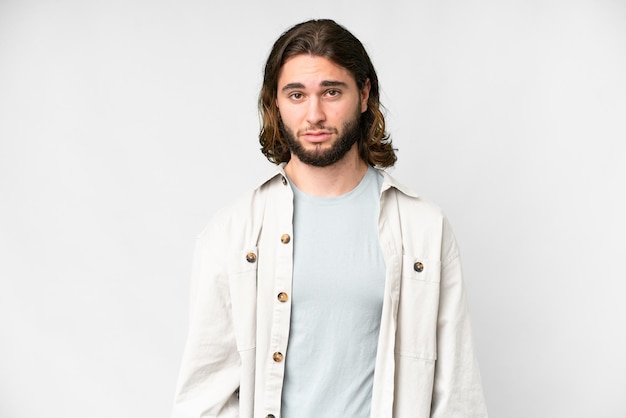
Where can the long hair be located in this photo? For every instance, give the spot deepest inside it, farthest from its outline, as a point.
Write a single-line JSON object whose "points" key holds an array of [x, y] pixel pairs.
{"points": [[324, 38]]}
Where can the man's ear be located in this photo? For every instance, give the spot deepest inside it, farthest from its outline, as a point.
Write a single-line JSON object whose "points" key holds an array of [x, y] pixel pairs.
{"points": [[365, 95]]}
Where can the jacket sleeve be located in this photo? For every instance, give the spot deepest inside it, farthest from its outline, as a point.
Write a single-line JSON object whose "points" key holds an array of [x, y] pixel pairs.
{"points": [[210, 371], [457, 388]]}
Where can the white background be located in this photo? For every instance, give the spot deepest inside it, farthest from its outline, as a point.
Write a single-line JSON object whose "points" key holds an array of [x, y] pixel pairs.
{"points": [[125, 124]]}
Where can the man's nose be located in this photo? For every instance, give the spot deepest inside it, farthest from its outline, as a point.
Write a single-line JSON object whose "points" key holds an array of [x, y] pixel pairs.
{"points": [[315, 111]]}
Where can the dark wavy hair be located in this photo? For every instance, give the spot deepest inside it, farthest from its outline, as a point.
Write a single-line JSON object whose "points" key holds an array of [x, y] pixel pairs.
{"points": [[324, 38]]}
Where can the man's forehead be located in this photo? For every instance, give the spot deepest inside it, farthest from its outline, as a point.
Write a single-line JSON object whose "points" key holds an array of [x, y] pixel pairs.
{"points": [[298, 69]]}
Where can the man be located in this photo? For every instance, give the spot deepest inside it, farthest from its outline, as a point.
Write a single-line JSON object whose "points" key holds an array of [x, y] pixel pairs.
{"points": [[330, 290]]}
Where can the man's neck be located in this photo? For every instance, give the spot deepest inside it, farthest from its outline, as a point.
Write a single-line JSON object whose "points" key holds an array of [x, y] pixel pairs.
{"points": [[333, 180]]}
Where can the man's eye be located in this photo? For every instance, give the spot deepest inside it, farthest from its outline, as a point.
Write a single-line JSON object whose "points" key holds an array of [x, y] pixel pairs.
{"points": [[296, 96], [332, 93]]}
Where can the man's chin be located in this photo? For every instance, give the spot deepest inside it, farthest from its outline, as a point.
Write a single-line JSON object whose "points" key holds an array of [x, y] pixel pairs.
{"points": [[317, 159]]}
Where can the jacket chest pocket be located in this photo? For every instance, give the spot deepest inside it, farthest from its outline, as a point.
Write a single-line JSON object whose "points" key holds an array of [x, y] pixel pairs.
{"points": [[418, 306], [242, 277]]}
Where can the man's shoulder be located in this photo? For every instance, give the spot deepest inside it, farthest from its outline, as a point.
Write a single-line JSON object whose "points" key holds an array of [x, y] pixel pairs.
{"points": [[244, 210], [408, 200], [420, 217]]}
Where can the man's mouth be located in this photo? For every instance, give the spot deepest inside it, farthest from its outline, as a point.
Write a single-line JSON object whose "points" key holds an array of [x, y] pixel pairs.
{"points": [[317, 135]]}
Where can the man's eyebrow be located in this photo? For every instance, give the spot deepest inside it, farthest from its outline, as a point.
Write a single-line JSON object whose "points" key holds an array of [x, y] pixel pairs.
{"points": [[325, 83], [292, 86], [331, 83]]}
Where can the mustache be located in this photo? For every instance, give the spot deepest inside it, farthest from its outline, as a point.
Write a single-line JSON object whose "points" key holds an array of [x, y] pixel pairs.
{"points": [[318, 129]]}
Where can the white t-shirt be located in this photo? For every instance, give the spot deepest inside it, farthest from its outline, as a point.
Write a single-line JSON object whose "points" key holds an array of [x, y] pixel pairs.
{"points": [[337, 296]]}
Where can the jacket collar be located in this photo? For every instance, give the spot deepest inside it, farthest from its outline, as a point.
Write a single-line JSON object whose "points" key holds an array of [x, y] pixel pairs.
{"points": [[388, 180], [277, 174]]}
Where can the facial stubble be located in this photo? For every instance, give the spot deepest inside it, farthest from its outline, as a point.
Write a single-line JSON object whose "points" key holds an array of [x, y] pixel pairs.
{"points": [[324, 157]]}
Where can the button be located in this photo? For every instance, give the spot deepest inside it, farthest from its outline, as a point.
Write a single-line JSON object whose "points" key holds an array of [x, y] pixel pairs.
{"points": [[251, 257], [285, 183], [419, 267], [285, 239], [282, 297], [278, 357]]}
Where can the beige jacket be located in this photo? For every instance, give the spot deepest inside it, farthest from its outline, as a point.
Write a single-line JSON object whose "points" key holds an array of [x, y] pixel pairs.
{"points": [[234, 359]]}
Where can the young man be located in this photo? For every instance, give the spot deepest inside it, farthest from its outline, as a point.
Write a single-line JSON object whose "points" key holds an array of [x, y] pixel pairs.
{"points": [[330, 290]]}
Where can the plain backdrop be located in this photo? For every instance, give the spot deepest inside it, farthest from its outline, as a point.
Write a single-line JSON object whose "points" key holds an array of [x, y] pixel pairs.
{"points": [[125, 124]]}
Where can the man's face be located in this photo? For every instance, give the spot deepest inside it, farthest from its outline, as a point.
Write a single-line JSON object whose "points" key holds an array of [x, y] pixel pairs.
{"points": [[320, 107]]}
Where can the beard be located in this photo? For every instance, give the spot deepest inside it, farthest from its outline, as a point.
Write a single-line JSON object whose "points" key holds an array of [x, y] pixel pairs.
{"points": [[319, 157]]}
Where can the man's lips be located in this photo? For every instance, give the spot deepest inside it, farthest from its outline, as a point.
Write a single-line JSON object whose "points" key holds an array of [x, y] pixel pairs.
{"points": [[316, 136]]}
